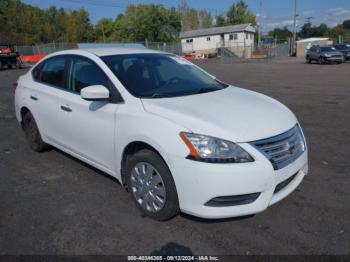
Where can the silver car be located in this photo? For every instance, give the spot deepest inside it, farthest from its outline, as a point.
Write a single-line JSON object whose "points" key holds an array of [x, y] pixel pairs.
{"points": [[324, 54]]}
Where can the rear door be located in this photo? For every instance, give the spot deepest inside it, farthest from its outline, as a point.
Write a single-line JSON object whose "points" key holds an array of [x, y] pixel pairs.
{"points": [[45, 92], [88, 127]]}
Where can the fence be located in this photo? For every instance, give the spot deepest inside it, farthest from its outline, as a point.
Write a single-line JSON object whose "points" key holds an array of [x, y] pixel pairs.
{"points": [[241, 52], [45, 49], [228, 51]]}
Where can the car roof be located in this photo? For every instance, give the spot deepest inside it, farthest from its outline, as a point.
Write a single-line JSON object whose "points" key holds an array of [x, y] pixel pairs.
{"points": [[109, 51]]}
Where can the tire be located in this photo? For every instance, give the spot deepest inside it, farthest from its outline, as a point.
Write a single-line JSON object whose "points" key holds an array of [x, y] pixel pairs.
{"points": [[153, 192], [18, 63], [309, 60], [9, 66], [32, 134], [321, 60]]}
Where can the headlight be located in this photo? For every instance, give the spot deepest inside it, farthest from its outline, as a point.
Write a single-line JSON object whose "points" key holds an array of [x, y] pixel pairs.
{"points": [[214, 150], [327, 55]]}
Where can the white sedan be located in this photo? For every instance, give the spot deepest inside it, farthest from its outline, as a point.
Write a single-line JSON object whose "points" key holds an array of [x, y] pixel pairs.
{"points": [[175, 136]]}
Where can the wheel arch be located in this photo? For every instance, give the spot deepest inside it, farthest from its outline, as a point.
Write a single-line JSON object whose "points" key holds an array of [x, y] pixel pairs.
{"points": [[24, 110], [129, 150]]}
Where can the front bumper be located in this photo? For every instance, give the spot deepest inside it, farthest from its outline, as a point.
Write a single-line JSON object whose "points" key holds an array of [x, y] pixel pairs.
{"points": [[198, 182], [334, 59]]}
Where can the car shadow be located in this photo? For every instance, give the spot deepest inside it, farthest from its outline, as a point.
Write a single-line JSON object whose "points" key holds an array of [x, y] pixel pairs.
{"points": [[215, 221], [181, 214], [87, 165], [172, 249]]}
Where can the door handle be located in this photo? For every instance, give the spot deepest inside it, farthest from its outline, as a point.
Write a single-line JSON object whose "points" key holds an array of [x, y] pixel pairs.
{"points": [[66, 108], [34, 98]]}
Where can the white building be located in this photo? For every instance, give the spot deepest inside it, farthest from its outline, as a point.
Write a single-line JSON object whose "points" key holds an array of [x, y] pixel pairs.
{"points": [[237, 38]]}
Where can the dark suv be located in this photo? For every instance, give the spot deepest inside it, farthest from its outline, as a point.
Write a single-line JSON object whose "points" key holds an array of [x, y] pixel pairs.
{"points": [[323, 54], [345, 49]]}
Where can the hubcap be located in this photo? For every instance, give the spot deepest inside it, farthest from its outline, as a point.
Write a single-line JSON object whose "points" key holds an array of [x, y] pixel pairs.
{"points": [[148, 187]]}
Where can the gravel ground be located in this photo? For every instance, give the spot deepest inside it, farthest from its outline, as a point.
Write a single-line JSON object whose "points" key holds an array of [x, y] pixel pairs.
{"points": [[52, 203]]}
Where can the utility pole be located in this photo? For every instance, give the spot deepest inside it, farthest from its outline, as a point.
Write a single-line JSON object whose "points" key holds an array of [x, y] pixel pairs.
{"points": [[260, 24], [103, 33], [294, 29]]}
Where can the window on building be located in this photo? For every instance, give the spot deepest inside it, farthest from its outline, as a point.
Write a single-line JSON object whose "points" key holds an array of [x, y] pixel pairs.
{"points": [[189, 40], [233, 37], [251, 36], [208, 38], [246, 36]]}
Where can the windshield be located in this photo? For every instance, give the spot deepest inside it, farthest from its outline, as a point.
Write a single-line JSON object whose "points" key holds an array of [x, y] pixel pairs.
{"points": [[160, 75], [327, 49]]}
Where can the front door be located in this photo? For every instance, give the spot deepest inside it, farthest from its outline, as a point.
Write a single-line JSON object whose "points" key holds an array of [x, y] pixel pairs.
{"points": [[89, 126]]}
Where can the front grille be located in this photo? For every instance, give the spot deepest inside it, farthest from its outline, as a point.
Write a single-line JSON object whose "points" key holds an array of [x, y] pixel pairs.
{"points": [[283, 149]]}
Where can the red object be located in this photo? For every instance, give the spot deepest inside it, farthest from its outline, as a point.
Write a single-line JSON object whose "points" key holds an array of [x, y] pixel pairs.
{"points": [[6, 50], [188, 57], [32, 58]]}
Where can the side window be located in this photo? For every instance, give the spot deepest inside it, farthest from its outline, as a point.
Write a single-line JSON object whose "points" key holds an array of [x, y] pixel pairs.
{"points": [[231, 37], [235, 36], [52, 71], [37, 72], [83, 73]]}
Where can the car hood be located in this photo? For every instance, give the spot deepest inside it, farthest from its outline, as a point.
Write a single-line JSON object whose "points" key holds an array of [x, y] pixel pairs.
{"points": [[232, 113]]}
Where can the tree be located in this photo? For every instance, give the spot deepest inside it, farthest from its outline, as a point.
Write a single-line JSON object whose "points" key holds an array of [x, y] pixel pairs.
{"points": [[78, 27], [239, 14], [148, 22], [281, 34], [220, 21], [189, 17], [346, 24], [307, 30], [105, 30], [205, 19]]}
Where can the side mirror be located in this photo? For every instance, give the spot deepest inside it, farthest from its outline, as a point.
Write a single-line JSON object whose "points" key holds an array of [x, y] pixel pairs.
{"points": [[94, 93]]}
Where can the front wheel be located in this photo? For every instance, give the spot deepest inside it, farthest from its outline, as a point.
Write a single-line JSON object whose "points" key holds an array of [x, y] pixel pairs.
{"points": [[321, 60], [152, 186]]}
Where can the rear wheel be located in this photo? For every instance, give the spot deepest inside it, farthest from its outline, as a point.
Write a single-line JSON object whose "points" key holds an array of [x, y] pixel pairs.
{"points": [[151, 185], [32, 133], [309, 60]]}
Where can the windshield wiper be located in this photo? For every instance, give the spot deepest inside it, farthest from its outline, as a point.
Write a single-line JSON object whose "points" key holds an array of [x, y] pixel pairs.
{"points": [[160, 95], [205, 90]]}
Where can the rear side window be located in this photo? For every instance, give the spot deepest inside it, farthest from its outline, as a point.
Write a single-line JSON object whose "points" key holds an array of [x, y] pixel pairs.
{"points": [[52, 71], [83, 73]]}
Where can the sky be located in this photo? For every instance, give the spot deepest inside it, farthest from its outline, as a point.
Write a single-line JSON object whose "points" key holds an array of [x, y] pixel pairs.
{"points": [[274, 13]]}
